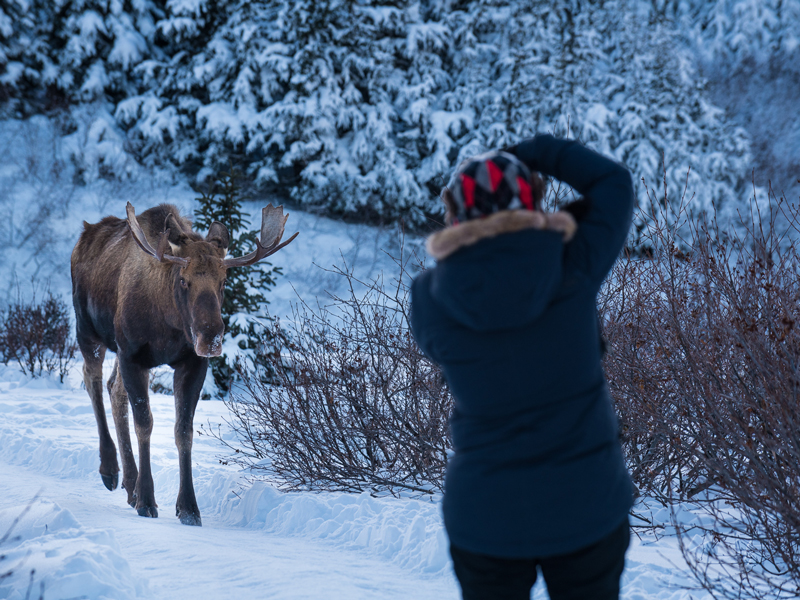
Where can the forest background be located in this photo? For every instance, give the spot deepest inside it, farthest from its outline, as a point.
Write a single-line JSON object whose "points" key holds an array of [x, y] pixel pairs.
{"points": [[361, 109]]}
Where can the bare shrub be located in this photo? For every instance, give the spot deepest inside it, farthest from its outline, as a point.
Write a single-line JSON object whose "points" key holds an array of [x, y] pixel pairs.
{"points": [[356, 406], [705, 373], [37, 336]]}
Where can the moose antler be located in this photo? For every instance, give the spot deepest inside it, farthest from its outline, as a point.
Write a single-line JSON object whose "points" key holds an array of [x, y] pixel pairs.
{"points": [[273, 222], [163, 242]]}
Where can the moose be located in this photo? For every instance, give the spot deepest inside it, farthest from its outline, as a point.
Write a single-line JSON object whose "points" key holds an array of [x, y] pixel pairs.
{"points": [[150, 290]]}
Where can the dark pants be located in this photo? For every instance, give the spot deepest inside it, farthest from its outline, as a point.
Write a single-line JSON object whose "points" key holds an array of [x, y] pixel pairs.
{"points": [[591, 573]]}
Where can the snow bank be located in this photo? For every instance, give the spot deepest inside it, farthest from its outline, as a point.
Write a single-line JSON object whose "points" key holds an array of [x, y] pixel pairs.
{"points": [[36, 432], [67, 560], [404, 531]]}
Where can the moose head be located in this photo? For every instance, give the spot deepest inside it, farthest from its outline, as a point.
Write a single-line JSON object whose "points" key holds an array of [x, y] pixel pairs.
{"points": [[199, 279]]}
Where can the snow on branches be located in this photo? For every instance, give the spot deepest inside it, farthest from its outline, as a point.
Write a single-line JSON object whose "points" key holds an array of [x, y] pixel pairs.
{"points": [[363, 108]]}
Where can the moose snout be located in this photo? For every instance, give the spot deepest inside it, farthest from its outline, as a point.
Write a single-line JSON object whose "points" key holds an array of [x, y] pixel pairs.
{"points": [[208, 344], [208, 331]]}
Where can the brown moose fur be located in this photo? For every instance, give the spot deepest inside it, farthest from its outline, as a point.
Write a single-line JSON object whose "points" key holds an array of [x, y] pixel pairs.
{"points": [[127, 301], [443, 243]]}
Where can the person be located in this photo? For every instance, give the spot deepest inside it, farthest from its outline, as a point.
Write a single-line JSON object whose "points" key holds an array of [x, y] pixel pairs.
{"points": [[537, 479]]}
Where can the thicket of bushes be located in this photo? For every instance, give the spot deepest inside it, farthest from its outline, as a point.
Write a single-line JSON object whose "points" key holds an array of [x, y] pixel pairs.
{"points": [[704, 368], [355, 406]]}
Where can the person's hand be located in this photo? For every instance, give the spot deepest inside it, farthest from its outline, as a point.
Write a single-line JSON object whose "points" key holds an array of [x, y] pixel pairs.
{"points": [[525, 152]]}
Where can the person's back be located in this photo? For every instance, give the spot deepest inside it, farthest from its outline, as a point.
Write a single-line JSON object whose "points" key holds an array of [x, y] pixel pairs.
{"points": [[509, 312]]}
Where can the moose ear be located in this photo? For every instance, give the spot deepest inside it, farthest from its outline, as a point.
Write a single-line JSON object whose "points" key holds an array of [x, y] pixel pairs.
{"points": [[177, 235], [218, 234]]}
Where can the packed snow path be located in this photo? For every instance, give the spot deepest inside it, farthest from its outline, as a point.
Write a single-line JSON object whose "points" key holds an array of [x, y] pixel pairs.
{"points": [[86, 542]]}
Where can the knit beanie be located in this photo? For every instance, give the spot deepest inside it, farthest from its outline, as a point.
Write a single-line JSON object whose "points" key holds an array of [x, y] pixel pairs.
{"points": [[492, 182]]}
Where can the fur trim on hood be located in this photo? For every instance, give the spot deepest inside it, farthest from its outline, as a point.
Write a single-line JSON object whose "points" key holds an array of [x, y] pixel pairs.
{"points": [[444, 243]]}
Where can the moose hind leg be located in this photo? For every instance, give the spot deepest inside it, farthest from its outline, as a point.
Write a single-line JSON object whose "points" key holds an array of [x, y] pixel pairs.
{"points": [[93, 355], [119, 408], [135, 379]]}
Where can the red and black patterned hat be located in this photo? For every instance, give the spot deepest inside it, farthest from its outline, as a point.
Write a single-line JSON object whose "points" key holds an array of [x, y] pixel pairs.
{"points": [[489, 183]]}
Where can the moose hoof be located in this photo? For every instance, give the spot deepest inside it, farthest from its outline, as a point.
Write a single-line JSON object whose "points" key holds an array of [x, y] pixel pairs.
{"points": [[188, 518], [110, 481], [148, 511]]}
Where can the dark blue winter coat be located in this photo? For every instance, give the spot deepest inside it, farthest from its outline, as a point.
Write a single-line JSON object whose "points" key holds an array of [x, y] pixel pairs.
{"points": [[511, 318]]}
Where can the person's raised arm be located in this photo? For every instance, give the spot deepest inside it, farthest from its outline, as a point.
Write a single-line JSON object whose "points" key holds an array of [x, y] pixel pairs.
{"points": [[606, 187]]}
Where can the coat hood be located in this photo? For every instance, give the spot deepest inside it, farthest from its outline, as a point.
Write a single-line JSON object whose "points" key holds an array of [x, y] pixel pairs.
{"points": [[499, 272]]}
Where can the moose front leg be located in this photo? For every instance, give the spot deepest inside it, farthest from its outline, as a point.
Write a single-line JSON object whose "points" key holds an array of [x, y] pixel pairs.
{"points": [[136, 381], [187, 384]]}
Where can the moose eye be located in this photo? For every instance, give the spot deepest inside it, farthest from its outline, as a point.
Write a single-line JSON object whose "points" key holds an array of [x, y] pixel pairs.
{"points": [[184, 285]]}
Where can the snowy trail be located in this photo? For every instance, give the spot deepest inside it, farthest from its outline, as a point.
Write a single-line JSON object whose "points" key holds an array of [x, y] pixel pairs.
{"points": [[47, 446], [86, 542], [219, 561]]}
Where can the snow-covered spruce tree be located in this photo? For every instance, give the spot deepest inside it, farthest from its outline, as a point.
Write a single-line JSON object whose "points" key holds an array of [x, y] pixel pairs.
{"points": [[361, 108], [26, 66], [745, 34], [667, 128], [742, 34], [748, 51], [329, 103], [603, 73], [103, 40], [73, 60], [190, 70], [69, 51], [537, 59], [245, 286]]}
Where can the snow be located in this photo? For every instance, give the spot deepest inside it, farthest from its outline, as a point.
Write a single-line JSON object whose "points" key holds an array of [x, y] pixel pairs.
{"points": [[85, 541], [70, 560], [220, 120], [129, 48], [292, 543]]}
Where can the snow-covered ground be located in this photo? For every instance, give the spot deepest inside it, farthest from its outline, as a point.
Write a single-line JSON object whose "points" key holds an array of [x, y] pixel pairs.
{"points": [[255, 542], [86, 542]]}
